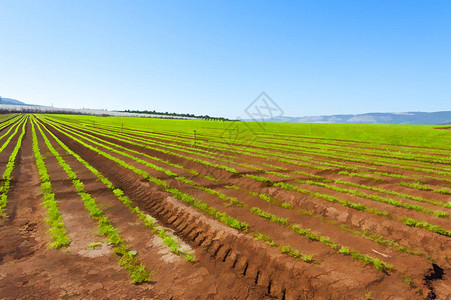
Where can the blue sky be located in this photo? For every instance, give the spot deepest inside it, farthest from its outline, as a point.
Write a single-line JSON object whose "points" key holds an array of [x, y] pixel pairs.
{"points": [[215, 57]]}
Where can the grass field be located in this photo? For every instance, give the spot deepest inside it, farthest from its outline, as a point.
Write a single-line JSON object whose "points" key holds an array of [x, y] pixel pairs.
{"points": [[174, 209], [401, 135]]}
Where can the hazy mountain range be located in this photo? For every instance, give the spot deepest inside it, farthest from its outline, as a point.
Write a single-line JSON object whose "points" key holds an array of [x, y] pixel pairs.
{"points": [[433, 118], [12, 101]]}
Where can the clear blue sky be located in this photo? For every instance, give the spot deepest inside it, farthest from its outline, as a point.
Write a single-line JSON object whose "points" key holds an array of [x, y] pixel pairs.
{"points": [[215, 57]]}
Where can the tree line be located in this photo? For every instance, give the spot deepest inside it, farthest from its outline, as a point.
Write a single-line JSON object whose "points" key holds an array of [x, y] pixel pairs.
{"points": [[173, 114]]}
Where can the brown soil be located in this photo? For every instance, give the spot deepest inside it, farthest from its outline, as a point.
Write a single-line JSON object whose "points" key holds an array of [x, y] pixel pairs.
{"points": [[446, 127]]}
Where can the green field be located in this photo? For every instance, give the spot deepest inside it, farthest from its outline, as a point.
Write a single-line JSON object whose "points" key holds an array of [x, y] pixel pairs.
{"points": [[403, 135]]}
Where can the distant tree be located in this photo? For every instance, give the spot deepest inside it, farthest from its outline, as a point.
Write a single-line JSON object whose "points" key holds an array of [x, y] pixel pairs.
{"points": [[174, 114]]}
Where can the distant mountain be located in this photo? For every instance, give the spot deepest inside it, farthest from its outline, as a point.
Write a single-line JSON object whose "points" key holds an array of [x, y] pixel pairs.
{"points": [[433, 118], [12, 101]]}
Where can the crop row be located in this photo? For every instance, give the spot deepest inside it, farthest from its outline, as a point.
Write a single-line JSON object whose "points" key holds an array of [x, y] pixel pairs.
{"points": [[6, 177], [374, 197], [136, 270], [418, 184], [325, 240], [234, 149], [257, 178], [253, 209], [361, 145], [387, 243], [357, 157], [110, 124], [221, 216], [272, 146], [54, 219], [329, 154], [368, 152], [350, 204], [325, 152], [364, 234], [16, 127], [407, 196], [396, 203], [415, 198], [286, 186], [148, 220], [7, 123]]}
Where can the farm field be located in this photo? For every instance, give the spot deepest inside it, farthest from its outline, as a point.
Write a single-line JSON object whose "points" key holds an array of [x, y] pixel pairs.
{"points": [[116, 207]]}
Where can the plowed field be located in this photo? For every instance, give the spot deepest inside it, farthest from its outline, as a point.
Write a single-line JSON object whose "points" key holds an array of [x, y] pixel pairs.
{"points": [[97, 207]]}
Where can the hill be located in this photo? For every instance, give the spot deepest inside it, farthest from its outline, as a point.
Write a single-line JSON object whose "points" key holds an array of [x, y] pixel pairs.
{"points": [[10, 101], [423, 118]]}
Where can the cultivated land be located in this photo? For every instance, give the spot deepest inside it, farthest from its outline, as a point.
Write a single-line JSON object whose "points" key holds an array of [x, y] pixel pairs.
{"points": [[136, 208]]}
